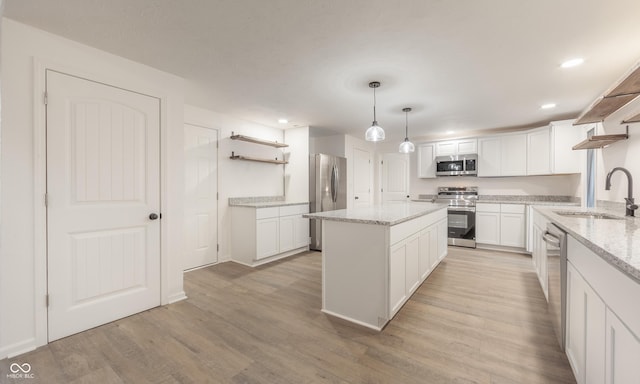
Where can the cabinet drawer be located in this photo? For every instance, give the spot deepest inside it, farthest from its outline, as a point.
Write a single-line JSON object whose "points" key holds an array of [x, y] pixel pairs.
{"points": [[288, 210], [486, 207], [512, 208], [265, 213]]}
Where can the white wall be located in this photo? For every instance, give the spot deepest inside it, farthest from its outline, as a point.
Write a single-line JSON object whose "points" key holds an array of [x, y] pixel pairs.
{"points": [[26, 52], [330, 145], [297, 171], [238, 178], [624, 153]]}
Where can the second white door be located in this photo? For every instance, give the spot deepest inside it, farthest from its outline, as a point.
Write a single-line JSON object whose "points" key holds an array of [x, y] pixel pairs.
{"points": [[201, 190], [395, 177]]}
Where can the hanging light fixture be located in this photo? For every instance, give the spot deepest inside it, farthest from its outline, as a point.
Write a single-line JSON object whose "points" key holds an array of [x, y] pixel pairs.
{"points": [[406, 146], [375, 132]]}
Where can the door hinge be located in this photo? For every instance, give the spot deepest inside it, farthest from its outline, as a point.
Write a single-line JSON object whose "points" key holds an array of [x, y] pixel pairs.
{"points": [[217, 196], [45, 98], [218, 247], [46, 300], [46, 200]]}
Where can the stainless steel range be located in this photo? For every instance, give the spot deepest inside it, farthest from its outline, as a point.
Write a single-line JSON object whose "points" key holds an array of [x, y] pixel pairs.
{"points": [[462, 214]]}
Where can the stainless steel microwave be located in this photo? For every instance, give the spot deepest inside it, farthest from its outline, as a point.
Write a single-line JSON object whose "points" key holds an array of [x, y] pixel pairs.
{"points": [[458, 165]]}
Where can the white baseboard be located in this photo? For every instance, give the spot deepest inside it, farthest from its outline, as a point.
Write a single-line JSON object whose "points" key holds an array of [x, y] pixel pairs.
{"points": [[19, 348]]}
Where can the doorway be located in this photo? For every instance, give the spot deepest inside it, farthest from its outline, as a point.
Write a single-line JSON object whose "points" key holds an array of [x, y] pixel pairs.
{"points": [[103, 203]]}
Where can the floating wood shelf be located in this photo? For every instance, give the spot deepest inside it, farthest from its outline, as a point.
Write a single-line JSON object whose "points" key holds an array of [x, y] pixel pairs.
{"points": [[595, 142], [260, 160], [255, 140], [619, 95], [632, 119]]}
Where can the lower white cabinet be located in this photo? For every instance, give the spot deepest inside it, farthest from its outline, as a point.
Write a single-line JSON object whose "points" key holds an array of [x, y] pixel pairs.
{"points": [[500, 224], [603, 320], [411, 260], [258, 234]]}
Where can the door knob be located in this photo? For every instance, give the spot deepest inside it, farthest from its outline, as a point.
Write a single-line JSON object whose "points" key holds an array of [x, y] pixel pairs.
{"points": [[153, 216], [356, 197]]}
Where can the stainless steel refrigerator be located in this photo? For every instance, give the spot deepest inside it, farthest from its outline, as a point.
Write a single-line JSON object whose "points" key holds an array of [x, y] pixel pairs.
{"points": [[327, 190]]}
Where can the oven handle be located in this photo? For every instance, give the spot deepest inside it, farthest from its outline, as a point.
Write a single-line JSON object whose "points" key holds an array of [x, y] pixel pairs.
{"points": [[461, 209]]}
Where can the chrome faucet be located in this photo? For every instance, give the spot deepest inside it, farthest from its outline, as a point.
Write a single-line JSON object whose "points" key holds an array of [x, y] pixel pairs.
{"points": [[630, 206]]}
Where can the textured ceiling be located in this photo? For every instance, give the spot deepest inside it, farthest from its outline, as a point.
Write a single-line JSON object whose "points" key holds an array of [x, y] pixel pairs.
{"points": [[462, 65]]}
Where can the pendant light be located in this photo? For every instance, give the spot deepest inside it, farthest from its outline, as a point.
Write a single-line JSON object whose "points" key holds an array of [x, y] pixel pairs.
{"points": [[375, 132], [406, 146]]}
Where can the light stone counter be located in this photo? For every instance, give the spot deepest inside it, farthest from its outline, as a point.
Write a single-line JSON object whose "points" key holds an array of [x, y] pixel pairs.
{"points": [[384, 214], [267, 204], [616, 241]]}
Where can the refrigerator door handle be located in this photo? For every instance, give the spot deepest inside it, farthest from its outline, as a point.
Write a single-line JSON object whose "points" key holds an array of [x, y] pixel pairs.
{"points": [[334, 181]]}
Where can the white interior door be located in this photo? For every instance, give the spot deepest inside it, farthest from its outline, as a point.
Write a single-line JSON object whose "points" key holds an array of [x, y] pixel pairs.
{"points": [[361, 177], [103, 185], [395, 177], [201, 203]]}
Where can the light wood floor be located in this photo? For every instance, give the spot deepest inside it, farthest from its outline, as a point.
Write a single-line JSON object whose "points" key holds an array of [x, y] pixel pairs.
{"points": [[479, 318]]}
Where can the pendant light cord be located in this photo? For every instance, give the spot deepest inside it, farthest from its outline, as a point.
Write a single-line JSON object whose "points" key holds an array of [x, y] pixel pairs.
{"points": [[374, 104], [406, 126]]}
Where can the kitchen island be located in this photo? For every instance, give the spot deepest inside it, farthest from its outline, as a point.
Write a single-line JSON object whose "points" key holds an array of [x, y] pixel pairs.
{"points": [[374, 258]]}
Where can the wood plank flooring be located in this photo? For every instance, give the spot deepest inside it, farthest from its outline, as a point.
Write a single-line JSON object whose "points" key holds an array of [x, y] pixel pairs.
{"points": [[479, 318]]}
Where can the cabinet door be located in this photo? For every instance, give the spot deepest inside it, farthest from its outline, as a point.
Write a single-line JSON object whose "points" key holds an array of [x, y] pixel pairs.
{"points": [[425, 251], [469, 146], [287, 233], [514, 155], [397, 277], [446, 148], [267, 237], [426, 163], [539, 152], [443, 235], [585, 339], [512, 229], [301, 232], [412, 264], [488, 227], [489, 156], [622, 352], [564, 135]]}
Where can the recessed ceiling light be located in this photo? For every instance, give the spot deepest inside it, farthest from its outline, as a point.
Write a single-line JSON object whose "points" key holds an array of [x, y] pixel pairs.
{"points": [[547, 106], [283, 121], [572, 63], [450, 132]]}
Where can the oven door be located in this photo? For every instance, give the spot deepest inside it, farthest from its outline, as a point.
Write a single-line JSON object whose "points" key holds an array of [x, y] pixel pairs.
{"points": [[462, 226]]}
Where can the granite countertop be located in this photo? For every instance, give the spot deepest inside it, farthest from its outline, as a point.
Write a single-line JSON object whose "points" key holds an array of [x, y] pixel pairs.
{"points": [[383, 214], [613, 240], [516, 199], [267, 204], [529, 202]]}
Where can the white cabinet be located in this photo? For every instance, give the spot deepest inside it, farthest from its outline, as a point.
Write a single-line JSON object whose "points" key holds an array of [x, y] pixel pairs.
{"points": [[603, 319], [512, 225], [489, 156], [488, 223], [500, 224], [426, 162], [585, 337], [539, 250], [539, 151], [267, 237], [412, 259], [514, 155], [260, 235], [564, 135], [457, 147], [622, 364]]}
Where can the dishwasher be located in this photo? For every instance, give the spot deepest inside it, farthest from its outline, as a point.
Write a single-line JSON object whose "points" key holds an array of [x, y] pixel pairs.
{"points": [[556, 240]]}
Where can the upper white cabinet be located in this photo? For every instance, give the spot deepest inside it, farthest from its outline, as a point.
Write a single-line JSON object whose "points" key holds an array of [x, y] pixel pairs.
{"points": [[539, 151], [504, 155], [426, 162], [457, 147], [564, 135]]}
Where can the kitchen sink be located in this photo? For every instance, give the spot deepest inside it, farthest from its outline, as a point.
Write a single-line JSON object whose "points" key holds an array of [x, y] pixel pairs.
{"points": [[588, 215]]}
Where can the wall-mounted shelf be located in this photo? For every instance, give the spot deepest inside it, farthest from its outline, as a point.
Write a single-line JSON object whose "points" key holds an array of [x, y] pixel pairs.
{"points": [[619, 95], [255, 140], [601, 141], [260, 160]]}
